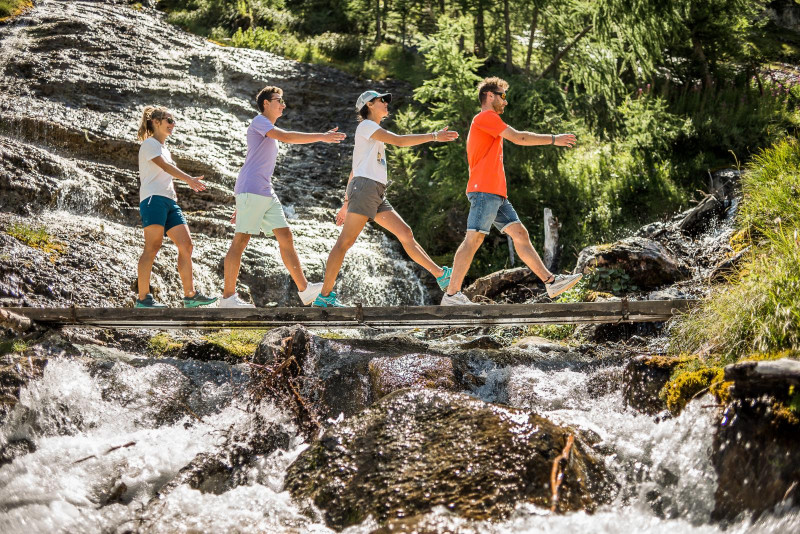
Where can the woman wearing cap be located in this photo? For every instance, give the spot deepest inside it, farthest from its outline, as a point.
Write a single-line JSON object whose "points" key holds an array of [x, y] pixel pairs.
{"points": [[158, 206], [365, 199]]}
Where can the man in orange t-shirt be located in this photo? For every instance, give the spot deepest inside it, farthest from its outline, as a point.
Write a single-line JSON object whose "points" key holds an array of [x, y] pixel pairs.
{"points": [[486, 191]]}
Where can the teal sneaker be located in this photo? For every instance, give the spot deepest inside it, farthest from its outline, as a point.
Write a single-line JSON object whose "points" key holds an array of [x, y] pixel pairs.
{"points": [[198, 300], [444, 280], [149, 302], [328, 302]]}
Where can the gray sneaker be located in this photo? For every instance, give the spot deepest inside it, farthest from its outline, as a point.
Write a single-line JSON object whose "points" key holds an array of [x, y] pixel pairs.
{"points": [[459, 299], [562, 282]]}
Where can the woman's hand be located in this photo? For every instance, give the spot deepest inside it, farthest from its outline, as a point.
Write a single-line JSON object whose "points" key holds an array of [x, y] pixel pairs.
{"points": [[566, 140], [444, 135], [233, 217], [341, 214], [333, 136], [195, 183]]}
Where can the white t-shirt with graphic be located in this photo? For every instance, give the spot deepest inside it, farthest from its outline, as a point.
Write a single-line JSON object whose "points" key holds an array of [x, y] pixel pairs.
{"points": [[369, 155], [153, 179]]}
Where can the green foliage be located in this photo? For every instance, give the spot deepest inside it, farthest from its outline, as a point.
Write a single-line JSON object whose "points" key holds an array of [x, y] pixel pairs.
{"points": [[614, 280], [759, 311], [35, 237], [10, 8], [163, 344], [13, 346]]}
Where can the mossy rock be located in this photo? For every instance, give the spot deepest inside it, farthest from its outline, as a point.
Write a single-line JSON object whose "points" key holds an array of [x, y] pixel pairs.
{"points": [[418, 449], [643, 380]]}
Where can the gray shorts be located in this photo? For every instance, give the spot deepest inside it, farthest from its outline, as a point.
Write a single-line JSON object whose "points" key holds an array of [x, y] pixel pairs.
{"points": [[367, 197]]}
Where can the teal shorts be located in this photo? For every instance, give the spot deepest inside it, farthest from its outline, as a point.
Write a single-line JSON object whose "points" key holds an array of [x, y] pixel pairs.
{"points": [[162, 211], [257, 213]]}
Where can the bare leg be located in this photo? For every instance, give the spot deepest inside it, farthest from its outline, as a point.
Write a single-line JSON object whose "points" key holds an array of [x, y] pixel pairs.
{"points": [[153, 237], [526, 252], [353, 224], [183, 240], [290, 258], [233, 262], [466, 251], [397, 226]]}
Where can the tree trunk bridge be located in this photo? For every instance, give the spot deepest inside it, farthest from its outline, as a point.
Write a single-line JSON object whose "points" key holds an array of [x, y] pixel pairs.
{"points": [[623, 311]]}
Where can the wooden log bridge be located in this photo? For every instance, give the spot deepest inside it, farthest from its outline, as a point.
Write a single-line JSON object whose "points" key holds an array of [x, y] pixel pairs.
{"points": [[360, 316]]}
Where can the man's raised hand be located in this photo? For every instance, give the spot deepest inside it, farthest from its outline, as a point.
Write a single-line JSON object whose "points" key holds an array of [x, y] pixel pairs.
{"points": [[567, 140]]}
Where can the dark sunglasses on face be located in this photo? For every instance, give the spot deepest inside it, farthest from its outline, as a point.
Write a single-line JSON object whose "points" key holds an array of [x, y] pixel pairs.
{"points": [[170, 120], [384, 99], [501, 95], [280, 100]]}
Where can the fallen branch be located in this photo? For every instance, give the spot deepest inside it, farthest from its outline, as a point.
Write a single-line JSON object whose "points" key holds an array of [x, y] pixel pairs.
{"points": [[14, 322], [112, 449], [556, 474]]}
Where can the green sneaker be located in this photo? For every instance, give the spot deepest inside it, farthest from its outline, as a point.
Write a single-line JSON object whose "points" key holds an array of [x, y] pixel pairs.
{"points": [[149, 302], [327, 302], [198, 300], [444, 280]]}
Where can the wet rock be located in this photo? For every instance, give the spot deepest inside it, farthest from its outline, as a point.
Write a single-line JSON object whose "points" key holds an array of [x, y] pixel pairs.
{"points": [[417, 449], [539, 343], [203, 350], [228, 466], [483, 342], [643, 379], [490, 286], [338, 376], [14, 449], [388, 374], [775, 378], [755, 457], [15, 373], [702, 216], [647, 262]]}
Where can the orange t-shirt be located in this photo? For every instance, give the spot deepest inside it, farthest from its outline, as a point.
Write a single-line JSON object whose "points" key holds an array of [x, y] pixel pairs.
{"points": [[485, 154]]}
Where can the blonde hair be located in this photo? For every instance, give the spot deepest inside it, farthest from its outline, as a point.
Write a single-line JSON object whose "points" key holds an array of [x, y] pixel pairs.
{"points": [[491, 84], [149, 114]]}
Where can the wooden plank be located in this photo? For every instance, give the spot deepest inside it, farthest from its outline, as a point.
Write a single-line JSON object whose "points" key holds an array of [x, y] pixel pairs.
{"points": [[377, 317]]}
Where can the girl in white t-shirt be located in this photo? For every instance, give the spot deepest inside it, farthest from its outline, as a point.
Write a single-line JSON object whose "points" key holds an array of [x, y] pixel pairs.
{"points": [[159, 208], [365, 196]]}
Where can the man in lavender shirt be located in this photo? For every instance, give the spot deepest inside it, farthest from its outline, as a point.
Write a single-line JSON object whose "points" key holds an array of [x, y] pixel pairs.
{"points": [[257, 207]]}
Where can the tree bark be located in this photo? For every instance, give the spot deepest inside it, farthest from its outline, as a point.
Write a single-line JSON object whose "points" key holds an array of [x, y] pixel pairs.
{"points": [[701, 57], [534, 23], [507, 26], [378, 36], [552, 252], [480, 30], [553, 64]]}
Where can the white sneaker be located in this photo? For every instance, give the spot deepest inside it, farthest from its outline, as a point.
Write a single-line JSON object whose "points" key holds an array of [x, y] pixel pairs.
{"points": [[310, 293], [234, 302], [562, 282], [459, 299]]}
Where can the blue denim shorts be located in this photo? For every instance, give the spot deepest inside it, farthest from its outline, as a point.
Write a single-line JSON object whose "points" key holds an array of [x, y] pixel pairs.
{"points": [[487, 209], [162, 211]]}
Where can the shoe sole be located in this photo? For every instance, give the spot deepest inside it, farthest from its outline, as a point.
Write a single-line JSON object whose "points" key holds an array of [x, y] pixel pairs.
{"points": [[198, 304], [565, 288]]}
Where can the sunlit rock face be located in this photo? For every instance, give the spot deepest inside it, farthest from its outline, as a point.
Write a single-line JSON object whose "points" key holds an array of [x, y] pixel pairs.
{"points": [[442, 449], [74, 78]]}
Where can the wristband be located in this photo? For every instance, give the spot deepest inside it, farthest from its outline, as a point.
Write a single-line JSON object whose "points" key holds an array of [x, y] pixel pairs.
{"points": [[553, 139], [435, 136]]}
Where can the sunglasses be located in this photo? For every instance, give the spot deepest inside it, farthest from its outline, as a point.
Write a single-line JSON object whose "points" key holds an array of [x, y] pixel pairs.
{"points": [[170, 120], [501, 95], [280, 100], [384, 99]]}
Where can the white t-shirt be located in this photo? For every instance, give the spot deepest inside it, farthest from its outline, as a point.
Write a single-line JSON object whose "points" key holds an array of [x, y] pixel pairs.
{"points": [[153, 179], [369, 155]]}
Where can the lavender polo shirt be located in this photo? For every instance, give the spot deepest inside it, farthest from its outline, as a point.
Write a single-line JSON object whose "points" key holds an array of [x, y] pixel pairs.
{"points": [[262, 152]]}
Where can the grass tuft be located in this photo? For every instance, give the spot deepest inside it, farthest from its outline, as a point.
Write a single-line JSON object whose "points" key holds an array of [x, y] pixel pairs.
{"points": [[36, 237], [12, 8]]}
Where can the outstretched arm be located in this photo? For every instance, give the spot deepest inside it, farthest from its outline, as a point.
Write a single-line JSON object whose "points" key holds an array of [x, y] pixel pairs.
{"points": [[192, 181], [444, 135], [302, 138], [535, 139]]}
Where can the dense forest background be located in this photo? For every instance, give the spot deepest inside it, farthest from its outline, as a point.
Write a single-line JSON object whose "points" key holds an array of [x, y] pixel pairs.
{"points": [[658, 92]]}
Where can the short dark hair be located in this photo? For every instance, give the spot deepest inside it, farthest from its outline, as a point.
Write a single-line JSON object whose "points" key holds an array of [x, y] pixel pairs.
{"points": [[266, 94], [363, 113], [491, 85]]}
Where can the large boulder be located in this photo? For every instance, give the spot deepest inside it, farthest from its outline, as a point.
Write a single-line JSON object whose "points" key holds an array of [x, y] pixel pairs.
{"points": [[755, 446], [643, 379], [418, 449], [646, 262]]}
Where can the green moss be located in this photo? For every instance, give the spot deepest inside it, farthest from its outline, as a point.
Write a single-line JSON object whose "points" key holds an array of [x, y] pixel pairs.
{"points": [[36, 237], [241, 343], [163, 344], [12, 8], [13, 346], [555, 332], [687, 382]]}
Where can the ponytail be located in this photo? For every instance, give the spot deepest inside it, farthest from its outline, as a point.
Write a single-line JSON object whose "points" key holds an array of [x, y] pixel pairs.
{"points": [[149, 114]]}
